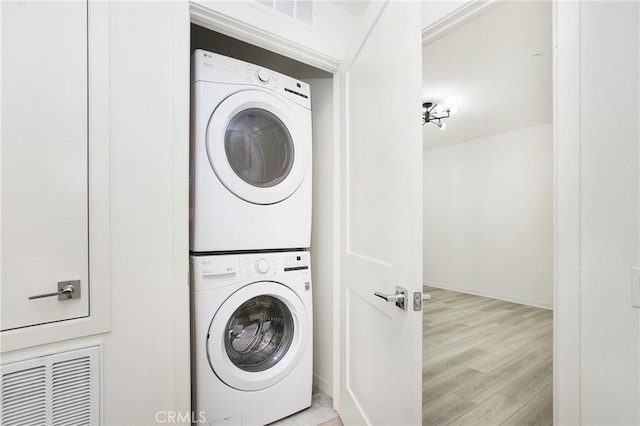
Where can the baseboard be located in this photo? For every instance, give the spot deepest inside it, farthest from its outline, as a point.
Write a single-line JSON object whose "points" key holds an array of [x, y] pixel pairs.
{"points": [[323, 384], [534, 303]]}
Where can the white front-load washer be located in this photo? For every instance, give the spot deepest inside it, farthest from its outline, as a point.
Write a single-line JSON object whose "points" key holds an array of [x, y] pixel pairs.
{"points": [[251, 337], [250, 157]]}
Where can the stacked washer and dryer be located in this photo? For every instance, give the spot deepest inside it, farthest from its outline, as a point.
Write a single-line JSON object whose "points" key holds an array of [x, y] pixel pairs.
{"points": [[250, 229]]}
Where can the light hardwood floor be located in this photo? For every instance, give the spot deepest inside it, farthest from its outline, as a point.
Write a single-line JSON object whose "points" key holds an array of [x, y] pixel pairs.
{"points": [[485, 361]]}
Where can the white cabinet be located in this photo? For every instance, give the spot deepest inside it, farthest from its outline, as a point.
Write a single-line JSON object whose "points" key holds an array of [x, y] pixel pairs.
{"points": [[44, 161]]}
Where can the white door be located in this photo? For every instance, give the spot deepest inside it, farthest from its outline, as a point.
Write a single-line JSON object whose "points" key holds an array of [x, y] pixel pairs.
{"points": [[381, 247], [44, 184]]}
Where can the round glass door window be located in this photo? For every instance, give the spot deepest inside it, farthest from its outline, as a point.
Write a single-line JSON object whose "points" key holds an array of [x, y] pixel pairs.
{"points": [[259, 333], [259, 147]]}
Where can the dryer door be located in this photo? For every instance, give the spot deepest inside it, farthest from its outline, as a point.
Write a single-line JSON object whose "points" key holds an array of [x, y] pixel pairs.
{"points": [[257, 336], [257, 148]]}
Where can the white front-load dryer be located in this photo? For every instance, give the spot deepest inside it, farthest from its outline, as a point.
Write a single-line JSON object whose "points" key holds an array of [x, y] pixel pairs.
{"points": [[251, 336], [250, 157]]}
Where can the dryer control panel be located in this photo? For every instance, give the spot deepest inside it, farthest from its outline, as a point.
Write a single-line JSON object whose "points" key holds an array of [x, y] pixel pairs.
{"points": [[212, 67]]}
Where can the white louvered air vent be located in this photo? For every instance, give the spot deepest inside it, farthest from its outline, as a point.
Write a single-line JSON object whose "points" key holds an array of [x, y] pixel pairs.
{"points": [[24, 395], [301, 11], [59, 389]]}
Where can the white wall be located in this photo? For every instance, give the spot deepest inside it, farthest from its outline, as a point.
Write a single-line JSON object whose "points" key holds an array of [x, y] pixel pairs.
{"points": [[488, 216], [610, 214], [143, 371], [145, 356], [322, 233], [597, 329]]}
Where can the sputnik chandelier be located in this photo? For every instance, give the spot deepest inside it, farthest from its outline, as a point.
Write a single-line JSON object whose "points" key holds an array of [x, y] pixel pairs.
{"points": [[434, 114]]}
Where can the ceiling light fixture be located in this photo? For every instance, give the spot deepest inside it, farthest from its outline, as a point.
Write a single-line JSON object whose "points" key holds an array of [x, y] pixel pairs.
{"points": [[432, 114]]}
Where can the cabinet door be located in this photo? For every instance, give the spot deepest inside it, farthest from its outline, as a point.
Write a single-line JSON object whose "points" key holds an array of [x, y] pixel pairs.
{"points": [[43, 161]]}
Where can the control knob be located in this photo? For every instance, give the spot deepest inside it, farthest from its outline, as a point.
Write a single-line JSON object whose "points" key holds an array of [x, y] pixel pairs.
{"points": [[262, 266], [263, 76]]}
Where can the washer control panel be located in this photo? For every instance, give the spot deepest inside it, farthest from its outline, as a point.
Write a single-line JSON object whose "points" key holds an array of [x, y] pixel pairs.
{"points": [[296, 262], [265, 265], [217, 271]]}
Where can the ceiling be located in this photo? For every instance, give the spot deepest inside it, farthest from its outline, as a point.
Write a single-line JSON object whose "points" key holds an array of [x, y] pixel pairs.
{"points": [[496, 69]]}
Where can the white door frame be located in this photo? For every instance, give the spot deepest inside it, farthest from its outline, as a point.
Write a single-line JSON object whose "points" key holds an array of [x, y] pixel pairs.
{"points": [[566, 380], [567, 218]]}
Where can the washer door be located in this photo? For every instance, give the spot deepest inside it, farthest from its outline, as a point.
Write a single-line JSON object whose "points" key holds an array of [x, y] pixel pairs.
{"points": [[256, 148], [257, 336]]}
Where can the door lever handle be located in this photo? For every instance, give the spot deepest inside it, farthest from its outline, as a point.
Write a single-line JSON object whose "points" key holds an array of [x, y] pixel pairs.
{"points": [[398, 297], [389, 297], [66, 290]]}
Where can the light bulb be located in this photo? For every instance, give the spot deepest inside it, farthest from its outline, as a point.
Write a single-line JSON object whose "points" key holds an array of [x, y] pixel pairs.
{"points": [[443, 126], [453, 110]]}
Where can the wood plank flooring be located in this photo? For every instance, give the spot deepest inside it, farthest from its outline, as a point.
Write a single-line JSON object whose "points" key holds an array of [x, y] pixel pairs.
{"points": [[485, 361]]}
